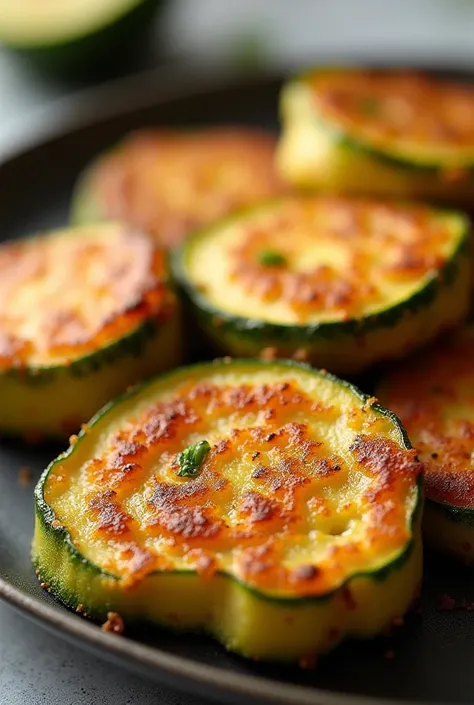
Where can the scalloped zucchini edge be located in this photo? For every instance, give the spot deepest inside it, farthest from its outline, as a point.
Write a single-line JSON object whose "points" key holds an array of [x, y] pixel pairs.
{"points": [[243, 619]]}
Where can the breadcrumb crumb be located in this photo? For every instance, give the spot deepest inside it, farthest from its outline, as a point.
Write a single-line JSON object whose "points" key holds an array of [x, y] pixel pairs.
{"points": [[114, 623], [300, 355], [24, 476], [269, 353]]}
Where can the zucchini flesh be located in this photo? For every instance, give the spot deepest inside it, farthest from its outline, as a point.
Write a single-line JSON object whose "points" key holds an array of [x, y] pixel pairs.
{"points": [[26, 23], [83, 314], [298, 525], [348, 283], [173, 182], [432, 394], [380, 132]]}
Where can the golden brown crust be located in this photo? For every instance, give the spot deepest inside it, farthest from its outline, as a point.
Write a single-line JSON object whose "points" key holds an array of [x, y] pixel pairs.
{"points": [[379, 242], [63, 296], [432, 394], [170, 183], [387, 108], [293, 482]]}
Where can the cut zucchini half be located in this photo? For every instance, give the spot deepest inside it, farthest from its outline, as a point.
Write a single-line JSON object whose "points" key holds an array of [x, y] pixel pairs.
{"points": [[434, 395], [378, 132], [341, 283], [84, 313], [172, 182], [268, 504], [74, 35]]}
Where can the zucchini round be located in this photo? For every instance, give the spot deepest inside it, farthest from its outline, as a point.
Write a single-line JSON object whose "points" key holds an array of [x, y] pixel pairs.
{"points": [[84, 313], [433, 393], [342, 283], [271, 505], [378, 132], [74, 36], [172, 182]]}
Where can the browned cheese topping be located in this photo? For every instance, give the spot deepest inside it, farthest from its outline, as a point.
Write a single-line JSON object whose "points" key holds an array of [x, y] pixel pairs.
{"points": [[272, 502], [399, 110], [433, 395], [63, 296], [341, 258], [171, 183]]}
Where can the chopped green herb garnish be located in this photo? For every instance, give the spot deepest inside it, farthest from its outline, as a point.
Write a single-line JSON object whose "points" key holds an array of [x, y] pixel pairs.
{"points": [[369, 105], [191, 458], [270, 258]]}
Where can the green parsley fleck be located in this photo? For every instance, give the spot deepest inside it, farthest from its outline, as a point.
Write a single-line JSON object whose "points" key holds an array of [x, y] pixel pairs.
{"points": [[191, 458], [270, 258]]}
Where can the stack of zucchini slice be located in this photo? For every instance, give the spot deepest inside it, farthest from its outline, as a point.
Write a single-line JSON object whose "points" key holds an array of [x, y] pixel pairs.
{"points": [[256, 498]]}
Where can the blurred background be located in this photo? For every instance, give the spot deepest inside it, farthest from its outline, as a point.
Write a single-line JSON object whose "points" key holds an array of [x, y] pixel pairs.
{"points": [[244, 35]]}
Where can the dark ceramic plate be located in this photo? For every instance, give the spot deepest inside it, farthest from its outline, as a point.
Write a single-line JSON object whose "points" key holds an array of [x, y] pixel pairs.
{"points": [[433, 655]]}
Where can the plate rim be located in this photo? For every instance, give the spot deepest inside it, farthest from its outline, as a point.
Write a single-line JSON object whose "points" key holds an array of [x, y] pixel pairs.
{"points": [[162, 666], [118, 97], [62, 117]]}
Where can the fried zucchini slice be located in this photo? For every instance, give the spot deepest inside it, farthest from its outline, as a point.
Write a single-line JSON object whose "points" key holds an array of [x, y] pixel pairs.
{"points": [[172, 182], [379, 132], [269, 504], [72, 37], [84, 313], [341, 283], [434, 396]]}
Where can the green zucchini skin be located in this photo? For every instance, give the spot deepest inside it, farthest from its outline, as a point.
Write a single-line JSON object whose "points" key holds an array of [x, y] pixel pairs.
{"points": [[52, 402], [263, 332], [349, 163], [132, 344], [396, 162], [324, 343], [104, 47], [67, 574]]}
